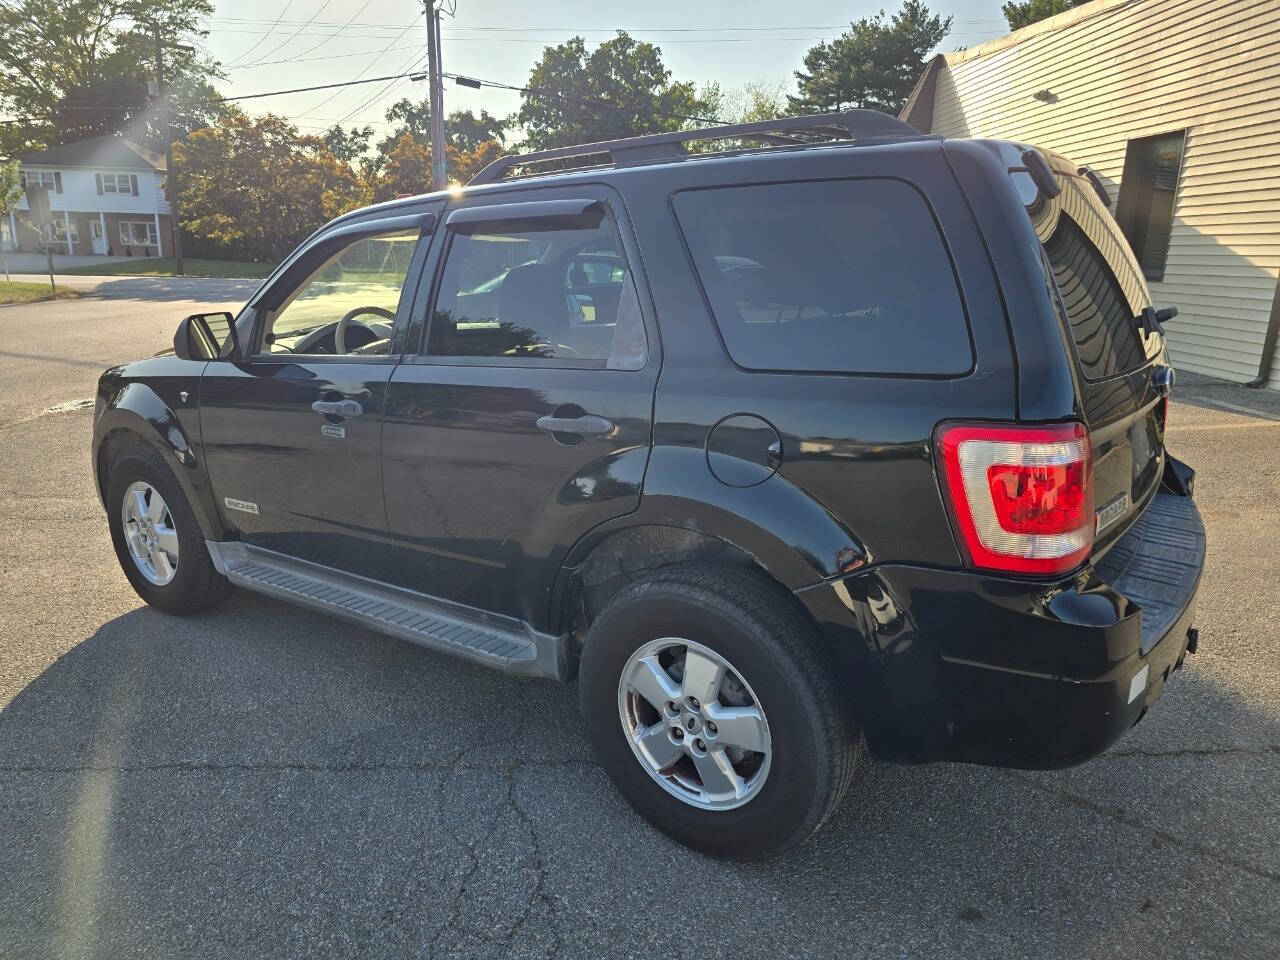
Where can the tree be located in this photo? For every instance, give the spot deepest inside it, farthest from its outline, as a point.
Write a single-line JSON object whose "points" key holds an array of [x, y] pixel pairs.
{"points": [[348, 145], [405, 169], [463, 130], [74, 67], [465, 164], [1031, 11], [466, 132], [10, 196], [875, 64], [620, 89], [253, 186]]}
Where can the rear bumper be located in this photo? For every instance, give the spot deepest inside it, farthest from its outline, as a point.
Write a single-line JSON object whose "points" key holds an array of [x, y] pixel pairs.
{"points": [[950, 665]]}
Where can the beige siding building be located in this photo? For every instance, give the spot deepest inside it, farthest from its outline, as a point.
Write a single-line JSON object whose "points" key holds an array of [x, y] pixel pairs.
{"points": [[1175, 104]]}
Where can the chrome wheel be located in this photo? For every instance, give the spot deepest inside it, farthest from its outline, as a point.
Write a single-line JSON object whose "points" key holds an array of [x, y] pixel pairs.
{"points": [[149, 533], [694, 724]]}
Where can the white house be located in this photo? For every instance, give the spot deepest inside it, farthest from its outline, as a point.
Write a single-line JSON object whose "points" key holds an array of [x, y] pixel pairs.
{"points": [[106, 195], [1175, 104]]}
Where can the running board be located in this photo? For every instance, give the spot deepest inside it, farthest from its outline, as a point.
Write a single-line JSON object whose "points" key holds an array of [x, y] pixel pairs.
{"points": [[503, 644]]}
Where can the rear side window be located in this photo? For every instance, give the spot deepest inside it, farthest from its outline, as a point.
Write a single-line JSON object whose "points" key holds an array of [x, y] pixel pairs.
{"points": [[845, 276]]}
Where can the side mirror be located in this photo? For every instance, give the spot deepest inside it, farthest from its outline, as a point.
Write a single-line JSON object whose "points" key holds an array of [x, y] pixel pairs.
{"points": [[204, 336]]}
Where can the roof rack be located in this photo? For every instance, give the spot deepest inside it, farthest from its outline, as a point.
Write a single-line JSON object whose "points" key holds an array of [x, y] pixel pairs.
{"points": [[631, 151]]}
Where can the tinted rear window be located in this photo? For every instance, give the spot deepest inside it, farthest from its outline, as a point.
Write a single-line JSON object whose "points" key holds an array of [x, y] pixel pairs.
{"points": [[843, 276], [1101, 286]]}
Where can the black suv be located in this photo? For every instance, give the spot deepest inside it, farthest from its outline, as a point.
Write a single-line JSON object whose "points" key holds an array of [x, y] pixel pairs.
{"points": [[841, 435]]}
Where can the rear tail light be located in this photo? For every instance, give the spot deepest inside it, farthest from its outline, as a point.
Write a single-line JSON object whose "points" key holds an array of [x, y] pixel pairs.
{"points": [[1022, 497]]}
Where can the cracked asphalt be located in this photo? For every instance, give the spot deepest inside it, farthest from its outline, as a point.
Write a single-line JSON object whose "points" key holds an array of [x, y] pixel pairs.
{"points": [[265, 782]]}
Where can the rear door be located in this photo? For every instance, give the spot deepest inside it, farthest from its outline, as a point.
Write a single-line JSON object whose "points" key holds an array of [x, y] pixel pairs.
{"points": [[1101, 298], [524, 420]]}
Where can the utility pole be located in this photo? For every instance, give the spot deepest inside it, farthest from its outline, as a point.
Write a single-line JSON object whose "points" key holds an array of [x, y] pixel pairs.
{"points": [[435, 96], [170, 174]]}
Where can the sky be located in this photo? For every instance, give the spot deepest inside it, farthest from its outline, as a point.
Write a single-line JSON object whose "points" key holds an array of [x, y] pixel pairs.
{"points": [[278, 44]]}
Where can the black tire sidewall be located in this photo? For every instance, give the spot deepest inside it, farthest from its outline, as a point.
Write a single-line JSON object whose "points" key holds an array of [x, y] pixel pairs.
{"points": [[142, 464], [771, 820]]}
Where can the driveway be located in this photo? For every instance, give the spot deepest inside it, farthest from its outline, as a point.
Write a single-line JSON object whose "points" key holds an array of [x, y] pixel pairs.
{"points": [[265, 782]]}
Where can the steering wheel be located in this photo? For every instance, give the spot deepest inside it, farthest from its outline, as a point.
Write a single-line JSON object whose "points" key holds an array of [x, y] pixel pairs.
{"points": [[380, 330]]}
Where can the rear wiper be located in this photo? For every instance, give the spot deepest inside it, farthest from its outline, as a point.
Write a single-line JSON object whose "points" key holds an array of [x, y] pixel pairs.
{"points": [[1150, 319]]}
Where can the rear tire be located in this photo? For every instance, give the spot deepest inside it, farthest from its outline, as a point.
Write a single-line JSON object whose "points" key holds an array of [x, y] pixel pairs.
{"points": [[746, 626], [180, 580]]}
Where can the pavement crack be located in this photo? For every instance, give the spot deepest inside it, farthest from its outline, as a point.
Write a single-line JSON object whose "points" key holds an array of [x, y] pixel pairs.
{"points": [[1110, 813], [539, 894]]}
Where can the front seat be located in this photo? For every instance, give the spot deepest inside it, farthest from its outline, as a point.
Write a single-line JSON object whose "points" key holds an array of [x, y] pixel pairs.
{"points": [[533, 311]]}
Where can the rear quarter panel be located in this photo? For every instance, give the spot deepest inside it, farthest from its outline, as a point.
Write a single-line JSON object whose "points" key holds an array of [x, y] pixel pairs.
{"points": [[856, 447]]}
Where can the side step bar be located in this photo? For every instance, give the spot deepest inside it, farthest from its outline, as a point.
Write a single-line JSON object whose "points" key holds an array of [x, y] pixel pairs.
{"points": [[503, 644]]}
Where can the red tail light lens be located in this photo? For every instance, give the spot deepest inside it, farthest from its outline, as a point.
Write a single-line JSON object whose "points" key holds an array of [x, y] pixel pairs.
{"points": [[1022, 497]]}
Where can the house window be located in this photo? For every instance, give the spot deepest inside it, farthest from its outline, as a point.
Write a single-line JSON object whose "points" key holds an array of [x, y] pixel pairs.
{"points": [[40, 178], [138, 233], [56, 231], [1148, 191], [117, 183]]}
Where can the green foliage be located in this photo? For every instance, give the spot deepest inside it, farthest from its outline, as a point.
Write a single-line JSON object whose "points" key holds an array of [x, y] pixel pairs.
{"points": [[253, 187], [620, 89], [80, 68], [463, 130], [1031, 11], [11, 191], [875, 64], [348, 145]]}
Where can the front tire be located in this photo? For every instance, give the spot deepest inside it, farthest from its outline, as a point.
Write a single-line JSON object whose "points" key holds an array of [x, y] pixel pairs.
{"points": [[712, 708], [156, 536]]}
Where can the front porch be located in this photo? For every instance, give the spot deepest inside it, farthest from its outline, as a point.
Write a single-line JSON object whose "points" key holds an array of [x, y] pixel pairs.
{"points": [[74, 233]]}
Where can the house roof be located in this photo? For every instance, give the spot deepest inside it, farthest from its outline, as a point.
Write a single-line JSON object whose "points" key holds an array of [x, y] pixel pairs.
{"points": [[109, 151], [1067, 18]]}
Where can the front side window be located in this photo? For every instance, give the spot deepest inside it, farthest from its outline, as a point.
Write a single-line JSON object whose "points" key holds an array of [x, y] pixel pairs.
{"points": [[40, 178], [540, 293], [840, 277], [1148, 191], [348, 303]]}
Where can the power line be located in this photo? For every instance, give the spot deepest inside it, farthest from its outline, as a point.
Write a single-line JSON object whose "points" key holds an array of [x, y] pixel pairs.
{"points": [[288, 40], [261, 39], [367, 68]]}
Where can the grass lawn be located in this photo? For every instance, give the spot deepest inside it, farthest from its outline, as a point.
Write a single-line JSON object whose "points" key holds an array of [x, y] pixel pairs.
{"points": [[30, 292], [163, 267]]}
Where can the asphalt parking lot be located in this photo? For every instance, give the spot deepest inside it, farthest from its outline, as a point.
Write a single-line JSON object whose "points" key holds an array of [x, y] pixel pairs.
{"points": [[261, 781]]}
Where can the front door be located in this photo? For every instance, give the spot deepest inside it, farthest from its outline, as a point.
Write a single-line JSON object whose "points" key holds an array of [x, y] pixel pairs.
{"points": [[98, 237], [292, 432], [524, 421]]}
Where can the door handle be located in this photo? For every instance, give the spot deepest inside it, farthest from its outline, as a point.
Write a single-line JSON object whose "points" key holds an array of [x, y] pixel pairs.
{"points": [[338, 408], [587, 425]]}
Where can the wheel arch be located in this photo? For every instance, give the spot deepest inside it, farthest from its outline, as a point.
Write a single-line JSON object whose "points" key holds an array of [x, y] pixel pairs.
{"points": [[137, 415]]}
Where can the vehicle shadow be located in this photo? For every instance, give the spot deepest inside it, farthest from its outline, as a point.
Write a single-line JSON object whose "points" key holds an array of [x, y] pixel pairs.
{"points": [[262, 780]]}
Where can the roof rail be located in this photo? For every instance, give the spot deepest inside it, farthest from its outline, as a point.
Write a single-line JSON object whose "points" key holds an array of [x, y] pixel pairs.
{"points": [[631, 151]]}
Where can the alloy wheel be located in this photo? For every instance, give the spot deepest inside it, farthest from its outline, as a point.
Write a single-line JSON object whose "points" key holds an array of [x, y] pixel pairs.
{"points": [[694, 724], [150, 533]]}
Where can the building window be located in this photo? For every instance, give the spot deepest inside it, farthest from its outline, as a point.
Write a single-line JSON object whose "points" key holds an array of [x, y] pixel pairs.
{"points": [[56, 231], [1148, 191], [117, 183], [40, 178], [138, 233]]}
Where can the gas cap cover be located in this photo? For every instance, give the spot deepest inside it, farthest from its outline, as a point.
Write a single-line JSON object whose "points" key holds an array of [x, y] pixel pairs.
{"points": [[743, 450]]}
